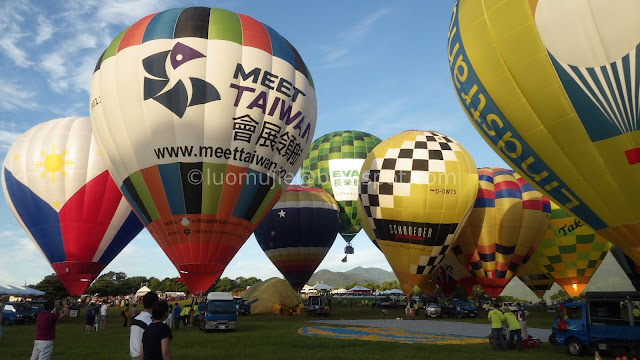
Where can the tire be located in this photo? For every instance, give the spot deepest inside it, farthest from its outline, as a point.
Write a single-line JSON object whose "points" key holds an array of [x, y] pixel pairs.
{"points": [[552, 339], [575, 347], [6, 321]]}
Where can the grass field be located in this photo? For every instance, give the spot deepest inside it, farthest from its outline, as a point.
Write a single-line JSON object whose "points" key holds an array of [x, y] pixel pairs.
{"points": [[262, 337]]}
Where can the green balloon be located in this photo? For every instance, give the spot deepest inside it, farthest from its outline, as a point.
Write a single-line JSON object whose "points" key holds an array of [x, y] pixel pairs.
{"points": [[334, 164]]}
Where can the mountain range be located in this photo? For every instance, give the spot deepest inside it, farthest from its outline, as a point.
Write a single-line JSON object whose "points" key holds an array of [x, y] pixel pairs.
{"points": [[359, 274]]}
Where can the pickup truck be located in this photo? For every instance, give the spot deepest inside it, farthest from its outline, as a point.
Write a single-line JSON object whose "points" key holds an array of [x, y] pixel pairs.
{"points": [[464, 308], [604, 322]]}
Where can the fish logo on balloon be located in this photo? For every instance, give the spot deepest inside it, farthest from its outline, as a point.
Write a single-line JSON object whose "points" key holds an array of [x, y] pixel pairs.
{"points": [[176, 98]]}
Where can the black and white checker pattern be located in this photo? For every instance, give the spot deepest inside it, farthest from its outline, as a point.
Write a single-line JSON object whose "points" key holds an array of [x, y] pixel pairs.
{"points": [[400, 167], [393, 175]]}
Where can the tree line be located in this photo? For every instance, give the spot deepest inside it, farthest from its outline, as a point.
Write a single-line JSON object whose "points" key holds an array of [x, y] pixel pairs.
{"points": [[119, 284]]}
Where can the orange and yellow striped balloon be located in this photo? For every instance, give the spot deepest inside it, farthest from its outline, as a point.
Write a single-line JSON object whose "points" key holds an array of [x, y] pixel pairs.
{"points": [[504, 228]]}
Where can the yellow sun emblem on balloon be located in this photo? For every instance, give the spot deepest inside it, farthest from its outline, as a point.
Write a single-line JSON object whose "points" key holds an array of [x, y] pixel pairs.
{"points": [[53, 163]]}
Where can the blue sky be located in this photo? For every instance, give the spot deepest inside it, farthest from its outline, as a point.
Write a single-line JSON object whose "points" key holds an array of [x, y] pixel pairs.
{"points": [[378, 66]]}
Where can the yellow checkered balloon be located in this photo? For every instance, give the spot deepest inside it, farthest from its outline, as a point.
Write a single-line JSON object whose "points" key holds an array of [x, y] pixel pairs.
{"points": [[416, 188]]}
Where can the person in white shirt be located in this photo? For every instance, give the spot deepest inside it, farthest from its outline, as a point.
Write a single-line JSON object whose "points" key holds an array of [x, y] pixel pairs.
{"points": [[103, 314], [140, 323]]}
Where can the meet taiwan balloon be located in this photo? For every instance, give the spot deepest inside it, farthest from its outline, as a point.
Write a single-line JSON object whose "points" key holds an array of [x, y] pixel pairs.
{"points": [[204, 116], [570, 251], [629, 266], [508, 221], [416, 188], [57, 185], [298, 231], [551, 86], [333, 164], [535, 279]]}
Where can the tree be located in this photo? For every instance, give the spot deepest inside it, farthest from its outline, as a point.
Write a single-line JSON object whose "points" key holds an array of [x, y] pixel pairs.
{"points": [[390, 285], [371, 285], [559, 296], [52, 286]]}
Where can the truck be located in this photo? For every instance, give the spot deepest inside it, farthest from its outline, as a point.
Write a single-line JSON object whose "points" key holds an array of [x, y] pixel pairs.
{"points": [[464, 308], [603, 321], [16, 313], [220, 312], [317, 305]]}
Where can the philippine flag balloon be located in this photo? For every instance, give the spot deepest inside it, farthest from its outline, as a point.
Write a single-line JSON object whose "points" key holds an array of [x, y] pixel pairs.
{"points": [[57, 185], [553, 87], [204, 116]]}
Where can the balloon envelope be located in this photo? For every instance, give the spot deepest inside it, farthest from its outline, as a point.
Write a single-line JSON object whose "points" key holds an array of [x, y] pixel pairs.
{"points": [[629, 266], [535, 279], [203, 115], [506, 225], [416, 188], [551, 86], [459, 273], [57, 185], [570, 251], [333, 164], [298, 231]]}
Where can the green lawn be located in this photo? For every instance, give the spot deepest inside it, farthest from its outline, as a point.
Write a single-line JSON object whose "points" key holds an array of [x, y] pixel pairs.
{"points": [[260, 337]]}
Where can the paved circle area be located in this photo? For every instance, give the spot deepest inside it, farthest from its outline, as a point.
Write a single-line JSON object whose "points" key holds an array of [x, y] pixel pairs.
{"points": [[433, 326]]}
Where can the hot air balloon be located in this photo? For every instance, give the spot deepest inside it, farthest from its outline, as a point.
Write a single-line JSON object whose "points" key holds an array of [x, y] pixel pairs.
{"points": [[506, 225], [298, 231], [459, 273], [57, 185], [535, 279], [333, 164], [551, 86], [445, 281], [570, 251], [362, 217], [416, 188], [204, 116], [628, 266]]}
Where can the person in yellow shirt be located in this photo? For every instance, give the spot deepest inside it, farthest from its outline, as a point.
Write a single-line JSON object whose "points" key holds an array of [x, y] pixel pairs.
{"points": [[496, 317], [636, 313], [514, 329], [184, 315]]}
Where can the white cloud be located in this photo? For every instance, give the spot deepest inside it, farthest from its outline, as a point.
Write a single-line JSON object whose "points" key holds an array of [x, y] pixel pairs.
{"points": [[17, 251], [11, 28], [336, 54], [45, 30], [13, 96]]}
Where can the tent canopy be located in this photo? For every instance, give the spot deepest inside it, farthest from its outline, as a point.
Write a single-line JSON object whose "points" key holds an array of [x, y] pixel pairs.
{"points": [[19, 291], [359, 289], [321, 286], [392, 291], [142, 291]]}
